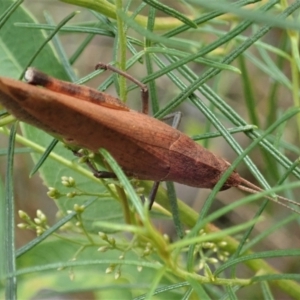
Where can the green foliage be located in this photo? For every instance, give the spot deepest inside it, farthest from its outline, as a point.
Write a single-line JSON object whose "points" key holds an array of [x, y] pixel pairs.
{"points": [[104, 242]]}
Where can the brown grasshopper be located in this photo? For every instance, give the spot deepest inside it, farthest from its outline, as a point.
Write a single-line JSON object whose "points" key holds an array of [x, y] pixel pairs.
{"points": [[145, 148]]}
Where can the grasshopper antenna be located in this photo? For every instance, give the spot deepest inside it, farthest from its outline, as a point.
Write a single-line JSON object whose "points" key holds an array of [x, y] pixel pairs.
{"points": [[251, 188]]}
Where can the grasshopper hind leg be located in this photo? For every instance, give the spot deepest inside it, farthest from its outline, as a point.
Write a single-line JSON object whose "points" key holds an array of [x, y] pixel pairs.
{"points": [[92, 167], [176, 118], [143, 87], [153, 193]]}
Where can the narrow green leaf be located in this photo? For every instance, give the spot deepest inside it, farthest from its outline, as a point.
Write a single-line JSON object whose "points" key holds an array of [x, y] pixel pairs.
{"points": [[59, 47], [44, 157], [149, 64], [152, 36], [201, 60], [260, 255], [266, 290], [211, 135], [50, 231], [171, 12], [3, 233], [9, 229], [49, 38], [207, 17], [254, 16], [174, 209], [10, 10], [231, 293], [133, 197], [248, 93], [198, 289]]}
